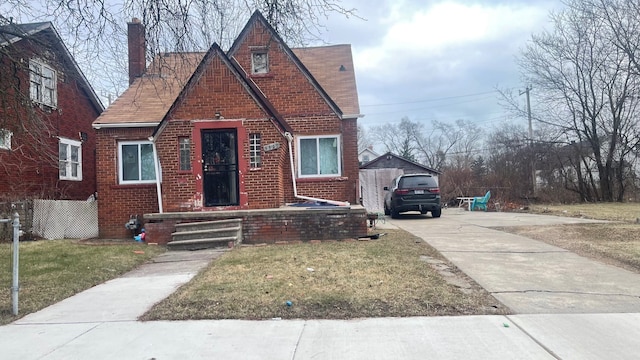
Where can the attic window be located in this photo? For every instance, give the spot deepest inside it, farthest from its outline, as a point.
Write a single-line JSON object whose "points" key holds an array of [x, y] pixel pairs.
{"points": [[43, 84], [259, 62]]}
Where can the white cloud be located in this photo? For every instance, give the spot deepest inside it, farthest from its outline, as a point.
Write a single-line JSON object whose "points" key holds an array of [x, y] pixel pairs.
{"points": [[447, 27]]}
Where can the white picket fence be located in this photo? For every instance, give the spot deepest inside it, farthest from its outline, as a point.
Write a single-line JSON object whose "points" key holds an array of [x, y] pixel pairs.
{"points": [[65, 219]]}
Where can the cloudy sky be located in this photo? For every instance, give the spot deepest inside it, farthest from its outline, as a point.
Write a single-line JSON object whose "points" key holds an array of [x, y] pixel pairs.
{"points": [[437, 60]]}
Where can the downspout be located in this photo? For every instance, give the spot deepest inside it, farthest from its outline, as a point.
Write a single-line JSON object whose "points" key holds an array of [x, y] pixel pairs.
{"points": [[293, 178], [156, 165]]}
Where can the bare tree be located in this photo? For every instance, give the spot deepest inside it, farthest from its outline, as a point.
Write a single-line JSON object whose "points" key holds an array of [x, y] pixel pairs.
{"points": [[364, 141], [586, 84], [95, 30], [398, 138]]}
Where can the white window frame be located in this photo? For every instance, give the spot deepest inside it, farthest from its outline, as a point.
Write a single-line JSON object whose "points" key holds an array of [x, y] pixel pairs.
{"points": [[5, 139], [262, 70], [68, 163], [120, 164], [39, 85], [338, 139], [255, 151]]}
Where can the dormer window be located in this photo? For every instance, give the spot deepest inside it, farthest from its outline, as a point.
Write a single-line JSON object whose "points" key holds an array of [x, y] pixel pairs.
{"points": [[259, 62], [43, 84]]}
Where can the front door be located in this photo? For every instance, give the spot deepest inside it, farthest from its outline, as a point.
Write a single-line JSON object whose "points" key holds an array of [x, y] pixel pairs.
{"points": [[220, 167]]}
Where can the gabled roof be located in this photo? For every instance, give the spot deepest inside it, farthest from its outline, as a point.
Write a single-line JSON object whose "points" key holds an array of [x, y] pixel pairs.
{"points": [[249, 86], [12, 33], [148, 99], [374, 164], [257, 17], [332, 67]]}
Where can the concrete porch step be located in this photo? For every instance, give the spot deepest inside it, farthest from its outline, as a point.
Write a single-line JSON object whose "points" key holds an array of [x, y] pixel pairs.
{"points": [[207, 233], [208, 225], [206, 243]]}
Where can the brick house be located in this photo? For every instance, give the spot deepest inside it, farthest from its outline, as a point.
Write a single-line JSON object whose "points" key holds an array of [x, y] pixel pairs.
{"points": [[222, 126], [47, 143]]}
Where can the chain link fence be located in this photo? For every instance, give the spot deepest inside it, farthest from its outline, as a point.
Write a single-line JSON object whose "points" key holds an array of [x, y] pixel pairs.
{"points": [[51, 219], [65, 219]]}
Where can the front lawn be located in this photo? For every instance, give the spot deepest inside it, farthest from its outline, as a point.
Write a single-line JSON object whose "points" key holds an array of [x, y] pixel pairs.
{"points": [[331, 280], [52, 270]]}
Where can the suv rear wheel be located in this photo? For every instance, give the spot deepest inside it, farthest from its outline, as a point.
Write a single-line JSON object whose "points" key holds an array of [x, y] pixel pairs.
{"points": [[436, 213], [386, 210]]}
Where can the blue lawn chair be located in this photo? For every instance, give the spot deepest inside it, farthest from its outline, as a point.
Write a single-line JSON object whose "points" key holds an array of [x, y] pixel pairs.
{"points": [[480, 202]]}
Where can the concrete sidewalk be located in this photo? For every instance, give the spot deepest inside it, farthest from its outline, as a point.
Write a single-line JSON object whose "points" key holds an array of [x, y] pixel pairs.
{"points": [[100, 323]]}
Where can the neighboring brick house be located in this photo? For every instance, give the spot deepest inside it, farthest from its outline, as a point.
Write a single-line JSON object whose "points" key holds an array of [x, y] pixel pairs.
{"points": [[222, 125], [47, 106]]}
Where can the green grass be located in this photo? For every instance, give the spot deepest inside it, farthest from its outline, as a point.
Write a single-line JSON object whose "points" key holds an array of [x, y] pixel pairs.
{"points": [[52, 270], [384, 277]]}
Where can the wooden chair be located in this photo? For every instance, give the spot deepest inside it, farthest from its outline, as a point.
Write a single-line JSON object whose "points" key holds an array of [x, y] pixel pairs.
{"points": [[480, 202]]}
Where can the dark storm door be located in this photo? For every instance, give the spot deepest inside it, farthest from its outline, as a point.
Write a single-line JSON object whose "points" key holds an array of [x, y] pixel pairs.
{"points": [[220, 167]]}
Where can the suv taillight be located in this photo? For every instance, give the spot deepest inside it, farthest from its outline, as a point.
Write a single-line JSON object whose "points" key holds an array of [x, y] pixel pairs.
{"points": [[401, 191], [435, 190]]}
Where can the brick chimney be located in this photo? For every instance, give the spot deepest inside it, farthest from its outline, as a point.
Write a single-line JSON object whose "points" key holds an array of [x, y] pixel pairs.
{"points": [[137, 49]]}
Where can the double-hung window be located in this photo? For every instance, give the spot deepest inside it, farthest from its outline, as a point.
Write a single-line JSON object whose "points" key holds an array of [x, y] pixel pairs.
{"points": [[136, 162], [70, 159], [319, 156], [43, 83]]}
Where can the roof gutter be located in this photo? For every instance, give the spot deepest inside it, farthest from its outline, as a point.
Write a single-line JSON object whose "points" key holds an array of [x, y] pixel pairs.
{"points": [[124, 125], [352, 116], [293, 177]]}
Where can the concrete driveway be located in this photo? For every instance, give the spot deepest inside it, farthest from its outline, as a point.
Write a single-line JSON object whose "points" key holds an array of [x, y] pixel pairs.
{"points": [[528, 276]]}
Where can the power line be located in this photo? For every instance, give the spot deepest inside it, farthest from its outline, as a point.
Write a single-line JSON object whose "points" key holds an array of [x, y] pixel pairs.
{"points": [[432, 100]]}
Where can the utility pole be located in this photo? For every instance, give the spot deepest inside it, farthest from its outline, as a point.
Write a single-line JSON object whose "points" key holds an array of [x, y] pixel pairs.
{"points": [[526, 91]]}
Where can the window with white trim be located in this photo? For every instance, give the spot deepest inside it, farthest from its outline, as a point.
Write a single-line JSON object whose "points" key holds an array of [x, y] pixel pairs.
{"points": [[319, 156], [70, 159], [43, 83], [5, 139], [136, 162], [255, 150]]}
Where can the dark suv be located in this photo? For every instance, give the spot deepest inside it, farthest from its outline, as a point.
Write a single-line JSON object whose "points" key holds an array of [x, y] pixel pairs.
{"points": [[413, 192]]}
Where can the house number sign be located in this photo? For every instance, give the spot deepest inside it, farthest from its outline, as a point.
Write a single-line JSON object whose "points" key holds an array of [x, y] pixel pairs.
{"points": [[270, 147]]}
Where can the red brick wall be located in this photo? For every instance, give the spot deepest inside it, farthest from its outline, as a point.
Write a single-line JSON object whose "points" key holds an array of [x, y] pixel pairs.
{"points": [[307, 112], [260, 227], [30, 169], [118, 202]]}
